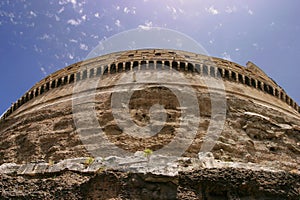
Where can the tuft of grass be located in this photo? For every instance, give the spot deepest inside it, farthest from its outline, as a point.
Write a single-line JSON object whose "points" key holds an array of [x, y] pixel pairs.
{"points": [[89, 161], [101, 169], [50, 162], [148, 153]]}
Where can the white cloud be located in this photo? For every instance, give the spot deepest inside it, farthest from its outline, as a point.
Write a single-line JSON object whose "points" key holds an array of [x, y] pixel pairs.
{"points": [[126, 10], [97, 15], [147, 26], [83, 17], [230, 9], [45, 37], [57, 18], [43, 71], [72, 40], [212, 10], [226, 56], [108, 29], [33, 14], [250, 12], [118, 23], [74, 22], [71, 56], [83, 47], [61, 10]]}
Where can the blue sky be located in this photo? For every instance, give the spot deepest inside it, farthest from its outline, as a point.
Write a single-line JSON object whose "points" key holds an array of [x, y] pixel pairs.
{"points": [[40, 37]]}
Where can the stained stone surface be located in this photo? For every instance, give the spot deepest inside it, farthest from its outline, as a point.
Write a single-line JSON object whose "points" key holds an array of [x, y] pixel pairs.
{"points": [[256, 156]]}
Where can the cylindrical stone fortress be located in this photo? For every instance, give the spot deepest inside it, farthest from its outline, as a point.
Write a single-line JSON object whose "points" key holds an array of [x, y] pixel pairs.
{"points": [[262, 122]]}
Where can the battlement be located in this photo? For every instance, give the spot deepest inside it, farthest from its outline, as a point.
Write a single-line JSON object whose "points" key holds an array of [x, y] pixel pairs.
{"points": [[157, 59]]}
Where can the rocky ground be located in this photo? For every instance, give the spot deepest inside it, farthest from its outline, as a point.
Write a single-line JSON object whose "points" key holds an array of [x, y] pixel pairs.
{"points": [[136, 178], [211, 184]]}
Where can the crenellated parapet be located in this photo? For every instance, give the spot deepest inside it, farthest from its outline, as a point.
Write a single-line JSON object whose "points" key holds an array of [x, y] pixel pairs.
{"points": [[157, 59]]}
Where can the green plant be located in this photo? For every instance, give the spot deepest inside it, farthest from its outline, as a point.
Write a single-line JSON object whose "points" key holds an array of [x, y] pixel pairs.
{"points": [[148, 153], [51, 162], [101, 169], [89, 161]]}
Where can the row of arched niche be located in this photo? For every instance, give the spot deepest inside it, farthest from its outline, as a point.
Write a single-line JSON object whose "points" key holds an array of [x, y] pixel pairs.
{"points": [[203, 69]]}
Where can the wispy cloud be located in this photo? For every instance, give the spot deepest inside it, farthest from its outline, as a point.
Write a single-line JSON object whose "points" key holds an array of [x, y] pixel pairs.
{"points": [[83, 47], [148, 25], [32, 13], [226, 56], [250, 12], [212, 10], [230, 9], [43, 71], [74, 22], [118, 23]]}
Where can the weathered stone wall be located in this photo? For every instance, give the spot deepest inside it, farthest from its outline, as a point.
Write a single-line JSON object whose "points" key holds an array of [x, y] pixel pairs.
{"points": [[256, 155], [202, 184], [259, 126]]}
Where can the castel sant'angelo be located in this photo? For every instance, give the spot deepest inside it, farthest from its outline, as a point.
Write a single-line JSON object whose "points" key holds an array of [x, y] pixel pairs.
{"points": [[106, 127]]}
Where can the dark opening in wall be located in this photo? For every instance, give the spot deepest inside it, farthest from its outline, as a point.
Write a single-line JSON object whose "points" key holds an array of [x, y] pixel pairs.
{"points": [[42, 89], [14, 106], [182, 66], [159, 65], [233, 76], [226, 74], [19, 103], [291, 102], [259, 85], [36, 92], [197, 68], [253, 83], [167, 64], [22, 100], [241, 78], [127, 66], [120, 67], [71, 78], [212, 71], [105, 70], [66, 80], [135, 66], [27, 97], [247, 81], [151, 64], [84, 74], [272, 149], [271, 90], [287, 99], [47, 86], [59, 81], [276, 93], [113, 68], [78, 76], [131, 55], [219, 72], [99, 71], [205, 70], [266, 88], [157, 54], [281, 95], [92, 73], [175, 65], [53, 84], [190, 67]]}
